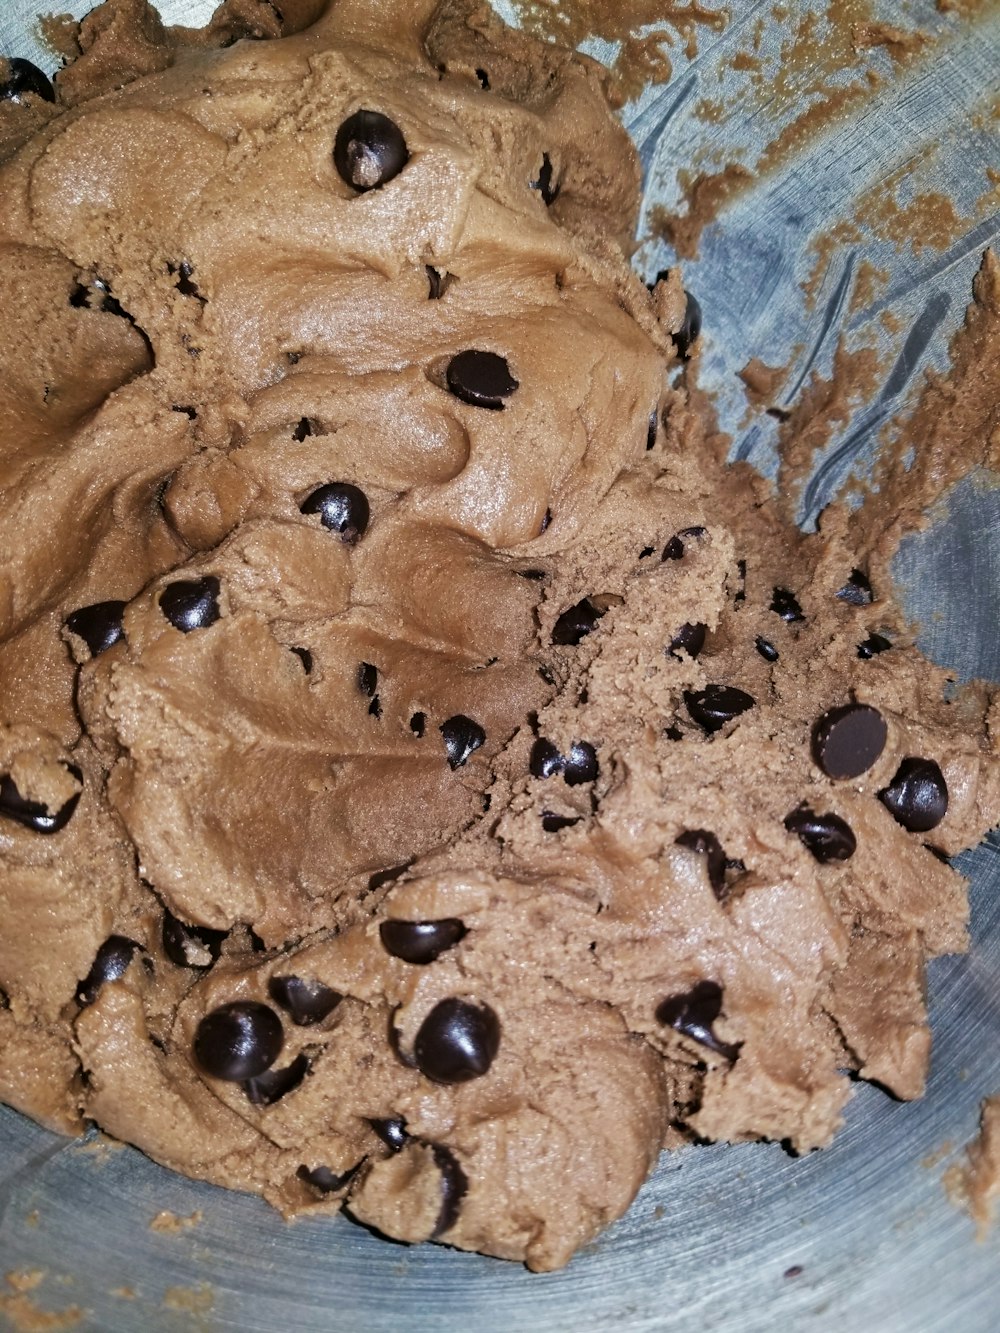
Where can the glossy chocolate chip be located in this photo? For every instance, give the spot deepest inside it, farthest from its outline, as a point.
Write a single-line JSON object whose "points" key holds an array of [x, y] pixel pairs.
{"points": [[462, 737], [689, 639], [110, 964], [190, 946], [707, 844], [482, 379], [457, 1041], [368, 679], [369, 150], [454, 1186], [326, 1181], [786, 605], [857, 590], [392, 1133], [766, 649], [545, 760], [917, 796], [238, 1041], [22, 78], [694, 1012], [191, 604], [872, 646], [267, 1088], [32, 814], [304, 1000], [716, 705], [342, 509], [827, 836], [576, 622], [674, 549], [306, 658], [687, 335], [847, 741], [420, 942], [553, 823], [99, 625], [579, 766], [544, 184]]}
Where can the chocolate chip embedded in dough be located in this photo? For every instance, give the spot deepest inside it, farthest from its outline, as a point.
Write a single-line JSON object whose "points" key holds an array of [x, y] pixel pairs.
{"points": [[110, 964], [418, 724], [267, 1088], [33, 814], [368, 679], [552, 823], [872, 646], [239, 1040], [326, 1181], [576, 622], [482, 379], [545, 760], [305, 657], [457, 1041], [579, 766], [674, 549], [191, 604], [99, 625], [304, 1000], [544, 184], [454, 1187], [766, 649], [785, 604], [462, 737], [827, 836], [421, 942], [917, 796], [847, 741], [190, 946], [652, 428], [689, 639], [342, 509], [693, 1012], [389, 875], [392, 1132], [716, 705], [857, 590], [22, 78], [707, 844], [369, 150], [688, 333]]}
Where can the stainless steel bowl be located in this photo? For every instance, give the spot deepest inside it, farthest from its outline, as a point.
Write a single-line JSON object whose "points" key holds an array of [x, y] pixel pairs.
{"points": [[730, 1239]]}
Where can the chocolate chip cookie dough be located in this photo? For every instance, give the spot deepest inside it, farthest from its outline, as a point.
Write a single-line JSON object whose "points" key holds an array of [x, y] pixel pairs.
{"points": [[430, 784]]}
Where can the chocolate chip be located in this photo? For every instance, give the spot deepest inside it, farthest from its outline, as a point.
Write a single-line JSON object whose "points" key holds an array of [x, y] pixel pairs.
{"points": [[420, 942], [303, 430], [418, 723], [533, 575], [267, 1088], [32, 814], [22, 78], [392, 1133], [766, 649], [368, 679], [741, 595], [454, 1186], [484, 79], [544, 184], [184, 283], [707, 844], [828, 837], [482, 379], [457, 1041], [651, 429], [239, 1040], [190, 946], [110, 964], [305, 1001], [872, 646], [694, 1012], [846, 741], [462, 737], [553, 823], [326, 1181], [689, 639], [576, 622], [342, 508], [369, 150], [786, 605], [687, 335], [857, 590], [674, 549], [99, 625], [716, 705], [191, 604], [305, 657], [917, 796], [387, 876], [579, 766], [438, 282]]}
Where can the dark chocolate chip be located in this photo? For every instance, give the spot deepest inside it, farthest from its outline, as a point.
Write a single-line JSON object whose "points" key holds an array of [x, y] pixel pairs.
{"points": [[190, 946], [694, 1012], [387, 876], [576, 622], [238, 1041], [184, 283], [546, 520], [786, 605], [651, 429], [707, 844], [484, 79], [305, 1001], [457, 1041], [306, 658], [369, 150], [646, 552], [267, 1088], [392, 1133], [687, 335], [418, 722], [872, 646], [545, 760], [917, 796], [368, 679], [32, 814], [544, 184], [482, 379], [846, 741], [579, 766], [110, 964], [454, 1186], [766, 649], [99, 625], [462, 737], [553, 823], [673, 733], [303, 430], [191, 604], [716, 705], [420, 942], [689, 639], [342, 508], [375, 707], [22, 78], [857, 590], [674, 549], [827, 836], [533, 575], [326, 1181]]}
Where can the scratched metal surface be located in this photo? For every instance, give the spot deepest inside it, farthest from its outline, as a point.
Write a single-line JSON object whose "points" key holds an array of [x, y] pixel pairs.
{"points": [[713, 1233]]}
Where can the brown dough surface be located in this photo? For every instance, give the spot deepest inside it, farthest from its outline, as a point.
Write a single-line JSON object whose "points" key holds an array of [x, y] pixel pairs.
{"points": [[204, 324]]}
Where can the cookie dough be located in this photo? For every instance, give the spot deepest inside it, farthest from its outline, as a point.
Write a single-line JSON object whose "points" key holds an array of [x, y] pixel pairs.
{"points": [[430, 783]]}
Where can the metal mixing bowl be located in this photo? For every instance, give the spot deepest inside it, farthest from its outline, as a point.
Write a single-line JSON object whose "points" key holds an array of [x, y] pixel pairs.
{"points": [[729, 1239]]}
